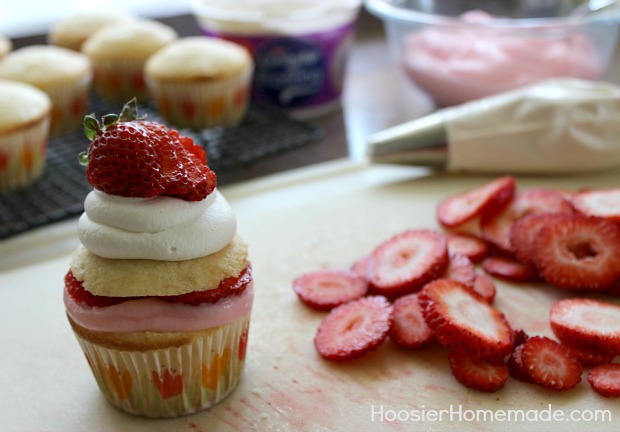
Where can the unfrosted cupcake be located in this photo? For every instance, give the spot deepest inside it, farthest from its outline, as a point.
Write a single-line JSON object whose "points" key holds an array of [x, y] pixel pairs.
{"points": [[63, 74], [200, 82], [71, 31], [159, 293], [118, 53], [5, 47], [24, 128]]}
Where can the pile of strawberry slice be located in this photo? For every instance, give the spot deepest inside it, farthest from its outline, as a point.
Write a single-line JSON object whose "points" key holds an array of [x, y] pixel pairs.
{"points": [[423, 288]]}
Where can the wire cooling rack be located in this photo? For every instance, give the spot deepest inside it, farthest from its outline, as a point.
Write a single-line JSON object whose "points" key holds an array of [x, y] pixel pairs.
{"points": [[60, 192]]}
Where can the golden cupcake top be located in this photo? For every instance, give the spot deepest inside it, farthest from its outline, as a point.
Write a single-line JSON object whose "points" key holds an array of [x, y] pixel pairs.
{"points": [[139, 277], [71, 31], [45, 66], [198, 58], [21, 105], [135, 40]]}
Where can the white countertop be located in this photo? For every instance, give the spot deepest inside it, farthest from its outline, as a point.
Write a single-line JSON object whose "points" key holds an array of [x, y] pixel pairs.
{"points": [[327, 215]]}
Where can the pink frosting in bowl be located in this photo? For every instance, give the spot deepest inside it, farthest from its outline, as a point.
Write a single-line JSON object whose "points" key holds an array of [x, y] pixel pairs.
{"points": [[152, 314], [455, 65]]}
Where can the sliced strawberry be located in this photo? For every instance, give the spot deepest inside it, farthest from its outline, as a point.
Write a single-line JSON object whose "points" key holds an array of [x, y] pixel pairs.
{"points": [[587, 324], [407, 261], [361, 266], [605, 379], [579, 253], [590, 357], [485, 287], [461, 320], [520, 336], [353, 329], [496, 228], [488, 198], [478, 374], [524, 233], [76, 290], [327, 288], [516, 367], [234, 285], [472, 247], [550, 364], [604, 203], [409, 330], [508, 269], [460, 268]]}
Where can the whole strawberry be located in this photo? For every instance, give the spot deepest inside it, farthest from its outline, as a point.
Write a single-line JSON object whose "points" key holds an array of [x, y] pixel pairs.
{"points": [[131, 157]]}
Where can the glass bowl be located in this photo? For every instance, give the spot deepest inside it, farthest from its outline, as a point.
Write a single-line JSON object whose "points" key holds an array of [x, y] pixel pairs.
{"points": [[457, 51]]}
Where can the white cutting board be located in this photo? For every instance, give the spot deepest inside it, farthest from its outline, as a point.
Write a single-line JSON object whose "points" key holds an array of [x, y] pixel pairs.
{"points": [[325, 216]]}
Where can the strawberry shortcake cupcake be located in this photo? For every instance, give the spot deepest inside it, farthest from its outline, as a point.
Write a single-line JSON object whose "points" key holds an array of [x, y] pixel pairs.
{"points": [[159, 292]]}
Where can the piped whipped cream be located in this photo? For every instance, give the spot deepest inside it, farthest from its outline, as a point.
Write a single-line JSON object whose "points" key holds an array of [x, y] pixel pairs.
{"points": [[158, 228]]}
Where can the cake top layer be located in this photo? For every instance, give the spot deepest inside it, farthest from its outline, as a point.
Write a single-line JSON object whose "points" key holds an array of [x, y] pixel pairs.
{"points": [[21, 105], [45, 66], [132, 41], [198, 58]]}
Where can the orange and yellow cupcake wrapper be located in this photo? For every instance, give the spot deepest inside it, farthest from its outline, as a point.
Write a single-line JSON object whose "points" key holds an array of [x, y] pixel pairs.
{"points": [[22, 155], [205, 104], [172, 381]]}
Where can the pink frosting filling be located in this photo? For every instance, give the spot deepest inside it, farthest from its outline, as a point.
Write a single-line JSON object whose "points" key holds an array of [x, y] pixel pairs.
{"points": [[151, 314], [457, 66]]}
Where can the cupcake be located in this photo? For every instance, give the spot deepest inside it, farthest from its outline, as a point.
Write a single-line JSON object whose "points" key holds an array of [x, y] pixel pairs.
{"points": [[63, 74], [24, 128], [159, 291], [200, 82], [5, 47], [119, 52], [72, 31]]}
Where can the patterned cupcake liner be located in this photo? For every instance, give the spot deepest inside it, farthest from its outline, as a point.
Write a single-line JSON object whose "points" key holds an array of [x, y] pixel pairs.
{"points": [[22, 155], [173, 381], [200, 105], [120, 81], [69, 103]]}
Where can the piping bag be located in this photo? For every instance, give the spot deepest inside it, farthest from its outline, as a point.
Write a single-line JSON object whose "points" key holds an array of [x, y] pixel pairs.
{"points": [[555, 126]]}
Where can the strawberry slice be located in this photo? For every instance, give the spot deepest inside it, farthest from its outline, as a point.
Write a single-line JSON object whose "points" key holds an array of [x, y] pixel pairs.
{"points": [[491, 197], [461, 320], [579, 253], [516, 367], [604, 203], [353, 329], [508, 269], [590, 357], [361, 266], [234, 285], [550, 364], [484, 287], [478, 374], [605, 379], [327, 288], [472, 247], [496, 227], [409, 330], [407, 261], [587, 324], [524, 233], [460, 268]]}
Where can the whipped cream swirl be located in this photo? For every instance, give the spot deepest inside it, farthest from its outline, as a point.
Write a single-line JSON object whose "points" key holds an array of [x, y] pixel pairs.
{"points": [[158, 228]]}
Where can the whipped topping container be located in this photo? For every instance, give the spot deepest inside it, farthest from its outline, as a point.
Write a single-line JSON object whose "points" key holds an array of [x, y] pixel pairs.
{"points": [[299, 47]]}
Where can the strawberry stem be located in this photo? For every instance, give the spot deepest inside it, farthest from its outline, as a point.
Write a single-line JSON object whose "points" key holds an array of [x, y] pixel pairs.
{"points": [[91, 126]]}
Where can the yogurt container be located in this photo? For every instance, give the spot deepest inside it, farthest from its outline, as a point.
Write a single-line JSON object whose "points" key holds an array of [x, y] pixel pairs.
{"points": [[299, 47]]}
